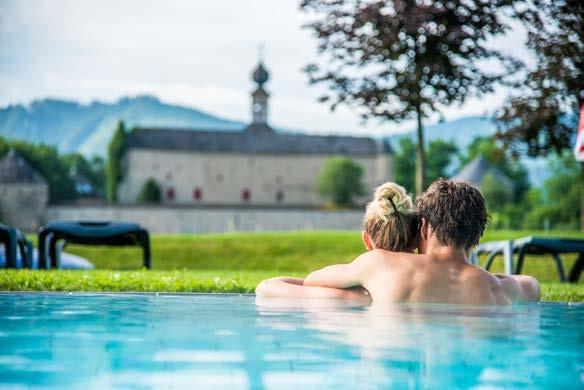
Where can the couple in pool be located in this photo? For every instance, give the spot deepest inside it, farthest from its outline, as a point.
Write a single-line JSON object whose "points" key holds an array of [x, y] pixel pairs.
{"points": [[415, 253]]}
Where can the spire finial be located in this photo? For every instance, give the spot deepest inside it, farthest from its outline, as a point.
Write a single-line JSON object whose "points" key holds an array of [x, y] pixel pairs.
{"points": [[261, 50]]}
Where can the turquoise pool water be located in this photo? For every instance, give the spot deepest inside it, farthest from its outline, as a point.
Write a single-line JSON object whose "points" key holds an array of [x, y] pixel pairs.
{"points": [[231, 341]]}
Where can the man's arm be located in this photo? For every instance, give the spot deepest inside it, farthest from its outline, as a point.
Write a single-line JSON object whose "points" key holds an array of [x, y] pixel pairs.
{"points": [[530, 290], [286, 287], [521, 288]]}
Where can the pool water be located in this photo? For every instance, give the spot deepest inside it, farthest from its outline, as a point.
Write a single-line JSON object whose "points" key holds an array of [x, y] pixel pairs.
{"points": [[233, 341]]}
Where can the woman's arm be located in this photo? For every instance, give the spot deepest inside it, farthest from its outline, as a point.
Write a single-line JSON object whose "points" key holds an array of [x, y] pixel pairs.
{"points": [[286, 287], [343, 275]]}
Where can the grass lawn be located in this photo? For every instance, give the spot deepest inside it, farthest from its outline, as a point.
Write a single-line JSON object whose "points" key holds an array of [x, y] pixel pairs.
{"points": [[237, 262]]}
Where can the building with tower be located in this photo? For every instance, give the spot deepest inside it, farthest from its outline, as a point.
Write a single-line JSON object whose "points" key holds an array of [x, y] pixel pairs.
{"points": [[257, 166]]}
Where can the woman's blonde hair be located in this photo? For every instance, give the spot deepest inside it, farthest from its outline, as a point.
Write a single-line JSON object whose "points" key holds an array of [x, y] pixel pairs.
{"points": [[391, 220]]}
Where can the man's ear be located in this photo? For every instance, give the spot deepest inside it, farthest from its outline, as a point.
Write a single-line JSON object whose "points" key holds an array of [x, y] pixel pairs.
{"points": [[367, 240], [424, 229]]}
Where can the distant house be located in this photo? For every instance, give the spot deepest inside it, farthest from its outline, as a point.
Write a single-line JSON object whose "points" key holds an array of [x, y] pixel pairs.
{"points": [[24, 193], [475, 171], [256, 166]]}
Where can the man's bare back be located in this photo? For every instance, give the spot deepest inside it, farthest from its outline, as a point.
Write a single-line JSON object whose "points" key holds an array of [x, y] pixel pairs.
{"points": [[404, 277], [452, 219]]}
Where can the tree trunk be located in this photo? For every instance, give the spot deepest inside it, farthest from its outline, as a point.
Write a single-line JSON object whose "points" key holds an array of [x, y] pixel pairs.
{"points": [[420, 158]]}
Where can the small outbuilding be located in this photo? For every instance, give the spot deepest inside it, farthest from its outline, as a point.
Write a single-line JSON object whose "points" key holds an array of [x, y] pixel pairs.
{"points": [[475, 171], [24, 193]]}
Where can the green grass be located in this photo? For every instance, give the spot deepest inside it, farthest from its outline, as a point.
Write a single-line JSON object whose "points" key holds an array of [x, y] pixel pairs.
{"points": [[237, 262], [185, 281]]}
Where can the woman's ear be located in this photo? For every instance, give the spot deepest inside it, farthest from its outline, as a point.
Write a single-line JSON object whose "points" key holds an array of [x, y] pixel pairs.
{"points": [[367, 240]]}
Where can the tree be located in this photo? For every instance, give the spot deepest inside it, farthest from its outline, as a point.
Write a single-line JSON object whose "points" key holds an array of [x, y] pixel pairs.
{"points": [[557, 204], [398, 60], [442, 154], [538, 119], [150, 192], [47, 161], [90, 170], [113, 171], [340, 180], [404, 163], [541, 117]]}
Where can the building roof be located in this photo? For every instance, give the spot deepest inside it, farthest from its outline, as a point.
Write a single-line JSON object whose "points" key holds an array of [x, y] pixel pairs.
{"points": [[474, 172], [256, 138], [14, 168]]}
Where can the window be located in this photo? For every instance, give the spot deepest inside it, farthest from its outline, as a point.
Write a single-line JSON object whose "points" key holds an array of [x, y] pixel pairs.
{"points": [[220, 177], [246, 195], [197, 194], [170, 194], [280, 196], [279, 179], [169, 176]]}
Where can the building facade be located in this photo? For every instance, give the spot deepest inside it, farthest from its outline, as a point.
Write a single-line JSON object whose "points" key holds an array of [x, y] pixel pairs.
{"points": [[257, 166], [24, 193]]}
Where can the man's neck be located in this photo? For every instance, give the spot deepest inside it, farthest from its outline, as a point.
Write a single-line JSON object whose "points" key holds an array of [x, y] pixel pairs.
{"points": [[449, 253]]}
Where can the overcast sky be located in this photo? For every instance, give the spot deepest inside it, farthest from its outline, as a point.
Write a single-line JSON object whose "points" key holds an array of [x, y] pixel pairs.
{"points": [[194, 53]]}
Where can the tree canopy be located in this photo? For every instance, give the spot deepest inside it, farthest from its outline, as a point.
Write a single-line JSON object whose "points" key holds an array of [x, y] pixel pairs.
{"points": [[541, 116], [398, 60], [340, 180], [150, 192], [441, 155]]}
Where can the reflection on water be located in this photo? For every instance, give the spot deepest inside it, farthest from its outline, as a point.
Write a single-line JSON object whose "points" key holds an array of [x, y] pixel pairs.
{"points": [[231, 341]]}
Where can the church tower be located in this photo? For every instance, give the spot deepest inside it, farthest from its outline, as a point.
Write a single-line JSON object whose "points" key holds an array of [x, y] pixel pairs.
{"points": [[260, 97]]}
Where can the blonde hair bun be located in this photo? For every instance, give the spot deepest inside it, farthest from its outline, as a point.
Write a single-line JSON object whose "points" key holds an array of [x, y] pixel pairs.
{"points": [[387, 193]]}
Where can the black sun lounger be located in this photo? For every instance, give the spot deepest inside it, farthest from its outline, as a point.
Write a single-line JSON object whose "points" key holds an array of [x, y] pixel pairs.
{"points": [[14, 240], [90, 233], [536, 246]]}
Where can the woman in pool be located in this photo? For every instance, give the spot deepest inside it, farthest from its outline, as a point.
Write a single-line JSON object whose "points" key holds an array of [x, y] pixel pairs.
{"points": [[390, 223]]}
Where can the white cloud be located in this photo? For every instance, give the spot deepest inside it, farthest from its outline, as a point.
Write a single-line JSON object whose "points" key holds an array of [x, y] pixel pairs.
{"points": [[195, 53]]}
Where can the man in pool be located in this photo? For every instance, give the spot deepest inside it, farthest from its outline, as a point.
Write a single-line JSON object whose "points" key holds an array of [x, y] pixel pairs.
{"points": [[452, 218]]}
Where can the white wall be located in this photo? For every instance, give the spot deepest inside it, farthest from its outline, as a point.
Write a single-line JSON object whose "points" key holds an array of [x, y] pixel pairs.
{"points": [[222, 177], [168, 219]]}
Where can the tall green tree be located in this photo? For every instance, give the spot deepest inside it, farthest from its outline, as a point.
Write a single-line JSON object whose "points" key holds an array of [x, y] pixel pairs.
{"points": [[340, 180], [441, 155], [400, 59], [113, 171]]}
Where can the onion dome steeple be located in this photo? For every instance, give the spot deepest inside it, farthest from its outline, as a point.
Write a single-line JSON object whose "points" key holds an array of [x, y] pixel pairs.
{"points": [[260, 74], [259, 108]]}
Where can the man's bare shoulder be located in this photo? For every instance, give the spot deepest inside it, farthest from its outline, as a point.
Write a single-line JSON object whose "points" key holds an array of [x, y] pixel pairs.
{"points": [[503, 289]]}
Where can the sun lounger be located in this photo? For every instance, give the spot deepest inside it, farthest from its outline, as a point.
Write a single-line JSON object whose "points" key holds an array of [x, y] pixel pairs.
{"points": [[14, 240], [90, 233], [536, 246]]}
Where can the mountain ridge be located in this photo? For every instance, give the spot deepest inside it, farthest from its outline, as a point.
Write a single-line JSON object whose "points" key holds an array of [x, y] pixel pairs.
{"points": [[87, 128]]}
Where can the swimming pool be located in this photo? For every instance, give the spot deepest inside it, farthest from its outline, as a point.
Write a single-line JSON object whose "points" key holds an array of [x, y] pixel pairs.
{"points": [[232, 341]]}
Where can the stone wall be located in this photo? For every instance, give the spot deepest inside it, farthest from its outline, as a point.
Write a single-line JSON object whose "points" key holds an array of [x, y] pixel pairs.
{"points": [[169, 219]]}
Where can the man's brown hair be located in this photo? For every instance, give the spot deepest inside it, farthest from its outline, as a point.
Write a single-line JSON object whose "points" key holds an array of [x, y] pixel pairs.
{"points": [[455, 211]]}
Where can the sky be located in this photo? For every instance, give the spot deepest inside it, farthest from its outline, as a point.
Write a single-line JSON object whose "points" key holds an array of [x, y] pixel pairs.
{"points": [[195, 53]]}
